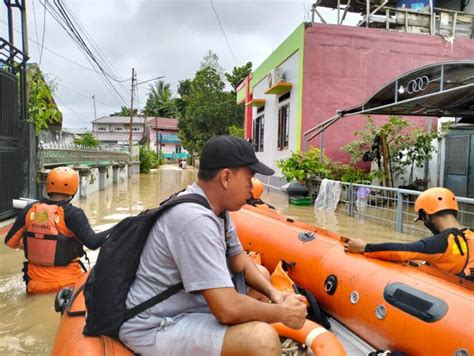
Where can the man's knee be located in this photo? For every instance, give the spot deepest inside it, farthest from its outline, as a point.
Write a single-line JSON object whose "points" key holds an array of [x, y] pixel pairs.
{"points": [[252, 338]]}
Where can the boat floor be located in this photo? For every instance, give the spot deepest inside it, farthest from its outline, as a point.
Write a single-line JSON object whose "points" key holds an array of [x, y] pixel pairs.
{"points": [[353, 344]]}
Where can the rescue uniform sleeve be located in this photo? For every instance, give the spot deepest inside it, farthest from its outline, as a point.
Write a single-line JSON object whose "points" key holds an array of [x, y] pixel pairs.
{"points": [[77, 222], [425, 249], [13, 237]]}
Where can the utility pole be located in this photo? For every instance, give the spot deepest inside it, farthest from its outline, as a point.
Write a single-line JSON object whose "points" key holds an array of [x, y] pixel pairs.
{"points": [[95, 111], [131, 114]]}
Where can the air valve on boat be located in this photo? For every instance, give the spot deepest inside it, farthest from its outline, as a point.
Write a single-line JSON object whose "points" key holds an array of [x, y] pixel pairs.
{"points": [[306, 236], [330, 284]]}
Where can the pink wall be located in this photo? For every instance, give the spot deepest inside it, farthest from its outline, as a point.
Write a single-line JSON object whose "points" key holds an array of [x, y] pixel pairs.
{"points": [[344, 66]]}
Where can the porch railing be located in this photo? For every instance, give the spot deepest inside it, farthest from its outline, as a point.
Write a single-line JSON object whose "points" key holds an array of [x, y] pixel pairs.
{"points": [[48, 157], [389, 206]]}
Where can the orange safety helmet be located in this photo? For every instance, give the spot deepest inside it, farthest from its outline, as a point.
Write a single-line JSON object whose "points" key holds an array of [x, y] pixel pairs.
{"points": [[257, 189], [62, 180], [434, 200]]}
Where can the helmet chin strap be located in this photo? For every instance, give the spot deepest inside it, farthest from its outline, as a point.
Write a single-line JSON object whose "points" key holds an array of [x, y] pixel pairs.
{"points": [[429, 224]]}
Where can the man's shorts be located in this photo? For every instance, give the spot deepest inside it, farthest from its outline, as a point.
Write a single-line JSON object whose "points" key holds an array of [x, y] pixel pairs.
{"points": [[192, 334]]}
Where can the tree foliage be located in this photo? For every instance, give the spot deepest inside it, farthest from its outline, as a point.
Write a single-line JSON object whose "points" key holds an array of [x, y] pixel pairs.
{"points": [[42, 110], [211, 60], [125, 111], [407, 146], [87, 140], [209, 111], [148, 159], [302, 166], [160, 101], [238, 75]]}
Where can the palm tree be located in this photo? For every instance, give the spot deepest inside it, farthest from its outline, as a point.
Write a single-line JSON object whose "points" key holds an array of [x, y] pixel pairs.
{"points": [[160, 101]]}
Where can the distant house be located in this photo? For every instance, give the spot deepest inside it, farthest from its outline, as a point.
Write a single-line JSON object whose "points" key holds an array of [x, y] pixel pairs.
{"points": [[164, 137], [113, 131]]}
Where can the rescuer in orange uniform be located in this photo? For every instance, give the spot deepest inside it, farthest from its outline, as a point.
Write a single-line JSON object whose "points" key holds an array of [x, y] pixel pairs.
{"points": [[257, 191], [53, 233], [450, 248]]}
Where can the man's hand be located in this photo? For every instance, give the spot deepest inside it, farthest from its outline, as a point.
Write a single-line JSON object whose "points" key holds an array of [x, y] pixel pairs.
{"points": [[294, 311], [354, 245], [278, 297]]}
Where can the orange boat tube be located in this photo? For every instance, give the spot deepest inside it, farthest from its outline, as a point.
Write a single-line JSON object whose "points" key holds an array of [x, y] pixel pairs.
{"points": [[71, 342], [392, 306], [69, 338], [321, 341]]}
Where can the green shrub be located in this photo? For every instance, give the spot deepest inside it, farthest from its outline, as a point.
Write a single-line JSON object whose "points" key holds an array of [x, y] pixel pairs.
{"points": [[148, 159], [306, 165], [302, 165]]}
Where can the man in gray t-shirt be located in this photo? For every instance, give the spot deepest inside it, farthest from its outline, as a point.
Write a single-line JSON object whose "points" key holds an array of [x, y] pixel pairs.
{"points": [[197, 246]]}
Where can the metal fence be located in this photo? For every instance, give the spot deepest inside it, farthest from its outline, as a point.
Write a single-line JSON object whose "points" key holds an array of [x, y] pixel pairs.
{"points": [[73, 156], [389, 206]]}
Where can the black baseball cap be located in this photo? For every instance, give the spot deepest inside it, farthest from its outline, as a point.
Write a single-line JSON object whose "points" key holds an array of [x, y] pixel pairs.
{"points": [[226, 151]]}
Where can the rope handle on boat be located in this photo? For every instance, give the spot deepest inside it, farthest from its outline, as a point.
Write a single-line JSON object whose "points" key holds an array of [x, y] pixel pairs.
{"points": [[71, 302]]}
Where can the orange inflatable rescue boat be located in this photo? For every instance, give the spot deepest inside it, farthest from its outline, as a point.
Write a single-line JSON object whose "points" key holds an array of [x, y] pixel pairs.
{"points": [[71, 342], [413, 309]]}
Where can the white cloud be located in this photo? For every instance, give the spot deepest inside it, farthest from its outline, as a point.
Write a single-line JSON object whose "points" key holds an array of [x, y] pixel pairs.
{"points": [[156, 38]]}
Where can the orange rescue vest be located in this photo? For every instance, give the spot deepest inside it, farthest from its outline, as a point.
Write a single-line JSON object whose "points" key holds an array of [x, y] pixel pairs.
{"points": [[468, 237], [47, 240]]}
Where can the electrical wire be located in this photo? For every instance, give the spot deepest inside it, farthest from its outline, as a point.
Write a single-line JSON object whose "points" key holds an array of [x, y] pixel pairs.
{"points": [[42, 37], [223, 32], [57, 54], [79, 116], [36, 26], [64, 19]]}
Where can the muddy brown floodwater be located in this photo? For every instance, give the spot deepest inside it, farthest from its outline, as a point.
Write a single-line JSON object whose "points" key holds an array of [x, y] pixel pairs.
{"points": [[28, 324]]}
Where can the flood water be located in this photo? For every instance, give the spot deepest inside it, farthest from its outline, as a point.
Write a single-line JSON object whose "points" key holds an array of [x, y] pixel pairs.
{"points": [[28, 324]]}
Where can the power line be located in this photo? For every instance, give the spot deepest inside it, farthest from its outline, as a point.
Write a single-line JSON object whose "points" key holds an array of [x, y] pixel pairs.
{"points": [[87, 96], [223, 32], [42, 38], [57, 54], [79, 116], [36, 26], [63, 18]]}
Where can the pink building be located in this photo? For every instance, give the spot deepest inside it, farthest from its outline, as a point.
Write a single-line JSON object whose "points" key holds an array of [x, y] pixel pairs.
{"points": [[322, 68]]}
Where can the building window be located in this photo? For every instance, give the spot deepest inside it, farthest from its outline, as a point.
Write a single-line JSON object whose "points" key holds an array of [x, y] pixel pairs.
{"points": [[101, 129], [178, 148], [118, 128], [283, 126], [258, 130], [136, 129]]}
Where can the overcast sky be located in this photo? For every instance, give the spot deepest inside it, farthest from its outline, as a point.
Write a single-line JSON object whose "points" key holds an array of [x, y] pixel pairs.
{"points": [[157, 38]]}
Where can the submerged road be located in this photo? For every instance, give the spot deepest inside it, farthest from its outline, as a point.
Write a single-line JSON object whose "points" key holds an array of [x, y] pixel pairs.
{"points": [[28, 324]]}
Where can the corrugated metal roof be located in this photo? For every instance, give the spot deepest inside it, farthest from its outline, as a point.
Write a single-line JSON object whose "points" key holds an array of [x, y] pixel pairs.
{"points": [[118, 120], [163, 123]]}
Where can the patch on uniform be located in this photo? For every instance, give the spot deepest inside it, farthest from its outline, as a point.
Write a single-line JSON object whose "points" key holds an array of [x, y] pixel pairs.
{"points": [[42, 216], [463, 247]]}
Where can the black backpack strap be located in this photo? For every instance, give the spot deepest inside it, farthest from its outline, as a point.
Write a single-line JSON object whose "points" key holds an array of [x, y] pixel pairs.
{"points": [[168, 203], [185, 198], [153, 301], [457, 233]]}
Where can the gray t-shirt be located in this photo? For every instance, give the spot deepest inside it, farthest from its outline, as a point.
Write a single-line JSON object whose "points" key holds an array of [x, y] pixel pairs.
{"points": [[186, 244]]}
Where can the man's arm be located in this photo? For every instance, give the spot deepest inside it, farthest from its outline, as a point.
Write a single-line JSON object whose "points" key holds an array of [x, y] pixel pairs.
{"points": [[13, 239], [77, 222], [254, 278], [424, 249], [230, 307]]}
